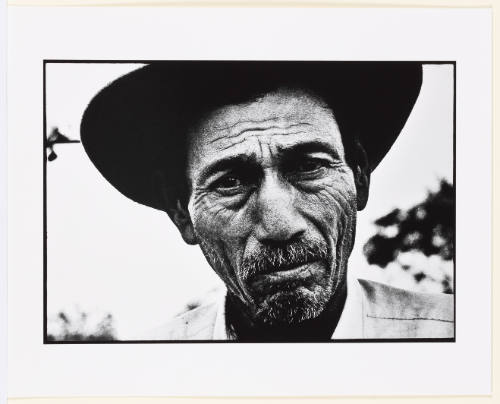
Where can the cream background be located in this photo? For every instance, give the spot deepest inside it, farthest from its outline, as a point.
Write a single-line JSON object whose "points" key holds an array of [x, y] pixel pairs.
{"points": [[484, 162]]}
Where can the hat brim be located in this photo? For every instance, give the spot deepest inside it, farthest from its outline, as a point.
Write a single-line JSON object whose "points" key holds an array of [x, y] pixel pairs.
{"points": [[138, 122]]}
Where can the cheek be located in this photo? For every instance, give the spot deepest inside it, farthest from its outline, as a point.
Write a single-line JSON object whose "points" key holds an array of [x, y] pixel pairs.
{"points": [[216, 224], [221, 235], [332, 208]]}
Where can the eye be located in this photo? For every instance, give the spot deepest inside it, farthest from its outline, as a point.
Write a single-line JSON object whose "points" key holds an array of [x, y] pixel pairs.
{"points": [[310, 165], [308, 168], [228, 181], [230, 184]]}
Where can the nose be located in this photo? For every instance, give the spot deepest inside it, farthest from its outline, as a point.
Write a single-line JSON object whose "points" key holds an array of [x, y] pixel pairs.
{"points": [[278, 219]]}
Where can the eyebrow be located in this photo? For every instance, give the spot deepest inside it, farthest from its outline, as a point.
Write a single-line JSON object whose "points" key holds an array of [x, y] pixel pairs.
{"points": [[315, 146]]}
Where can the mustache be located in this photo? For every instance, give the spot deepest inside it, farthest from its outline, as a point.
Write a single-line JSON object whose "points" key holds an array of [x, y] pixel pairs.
{"points": [[270, 259]]}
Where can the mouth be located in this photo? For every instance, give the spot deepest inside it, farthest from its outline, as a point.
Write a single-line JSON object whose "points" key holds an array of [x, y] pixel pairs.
{"points": [[288, 273]]}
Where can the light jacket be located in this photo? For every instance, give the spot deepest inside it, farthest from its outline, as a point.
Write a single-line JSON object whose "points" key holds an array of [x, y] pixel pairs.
{"points": [[372, 311]]}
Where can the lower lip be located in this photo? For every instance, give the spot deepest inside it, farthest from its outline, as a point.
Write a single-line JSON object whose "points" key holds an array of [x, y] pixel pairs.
{"points": [[300, 272]]}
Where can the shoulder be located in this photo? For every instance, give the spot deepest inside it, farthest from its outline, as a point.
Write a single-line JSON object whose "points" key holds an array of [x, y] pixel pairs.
{"points": [[193, 324], [389, 301], [393, 312]]}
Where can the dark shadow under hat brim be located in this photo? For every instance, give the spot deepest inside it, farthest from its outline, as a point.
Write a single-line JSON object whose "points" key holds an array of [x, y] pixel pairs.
{"points": [[138, 123]]}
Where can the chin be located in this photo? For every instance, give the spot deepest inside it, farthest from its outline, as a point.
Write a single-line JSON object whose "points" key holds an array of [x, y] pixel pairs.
{"points": [[293, 306]]}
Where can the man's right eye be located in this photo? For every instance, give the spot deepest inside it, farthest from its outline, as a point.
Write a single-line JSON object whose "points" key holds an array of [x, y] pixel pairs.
{"points": [[229, 184]]}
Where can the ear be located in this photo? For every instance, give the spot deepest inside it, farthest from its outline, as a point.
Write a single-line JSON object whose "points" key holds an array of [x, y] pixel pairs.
{"points": [[362, 176], [176, 210], [182, 219], [362, 180]]}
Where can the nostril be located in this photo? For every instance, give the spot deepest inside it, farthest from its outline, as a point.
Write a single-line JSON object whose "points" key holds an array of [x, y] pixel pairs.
{"points": [[281, 232]]}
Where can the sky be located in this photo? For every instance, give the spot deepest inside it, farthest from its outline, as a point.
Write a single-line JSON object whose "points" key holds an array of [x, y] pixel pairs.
{"points": [[108, 254]]}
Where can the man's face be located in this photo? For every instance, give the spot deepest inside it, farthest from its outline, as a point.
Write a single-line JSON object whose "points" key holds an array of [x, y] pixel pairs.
{"points": [[273, 204]]}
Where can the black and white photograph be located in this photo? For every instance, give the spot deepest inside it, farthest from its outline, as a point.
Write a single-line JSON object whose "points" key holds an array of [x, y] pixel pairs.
{"points": [[249, 201]]}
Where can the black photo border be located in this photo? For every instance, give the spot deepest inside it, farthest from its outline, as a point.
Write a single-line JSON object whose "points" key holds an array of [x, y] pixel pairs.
{"points": [[46, 341]]}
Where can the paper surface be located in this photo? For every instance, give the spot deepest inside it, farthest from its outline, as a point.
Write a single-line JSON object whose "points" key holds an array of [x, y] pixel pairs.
{"points": [[37, 369]]}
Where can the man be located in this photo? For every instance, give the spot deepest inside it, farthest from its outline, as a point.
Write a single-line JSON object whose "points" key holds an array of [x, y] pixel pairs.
{"points": [[264, 165]]}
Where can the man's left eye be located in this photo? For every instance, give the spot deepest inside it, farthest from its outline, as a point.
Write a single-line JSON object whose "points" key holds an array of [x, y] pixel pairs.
{"points": [[310, 166]]}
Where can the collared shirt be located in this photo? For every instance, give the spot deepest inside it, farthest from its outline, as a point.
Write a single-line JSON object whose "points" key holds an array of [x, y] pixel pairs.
{"points": [[372, 311]]}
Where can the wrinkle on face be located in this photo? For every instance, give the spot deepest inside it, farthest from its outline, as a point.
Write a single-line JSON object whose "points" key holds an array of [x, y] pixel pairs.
{"points": [[263, 128], [264, 137], [270, 119], [231, 227]]}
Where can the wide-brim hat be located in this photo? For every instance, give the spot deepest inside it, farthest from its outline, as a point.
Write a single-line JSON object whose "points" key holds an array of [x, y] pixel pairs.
{"points": [[138, 123]]}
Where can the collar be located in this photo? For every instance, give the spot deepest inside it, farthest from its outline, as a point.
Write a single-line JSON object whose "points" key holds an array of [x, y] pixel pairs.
{"points": [[350, 325], [220, 329]]}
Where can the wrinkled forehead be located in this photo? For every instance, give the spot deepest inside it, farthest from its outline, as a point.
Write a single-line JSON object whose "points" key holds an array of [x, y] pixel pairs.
{"points": [[277, 120]]}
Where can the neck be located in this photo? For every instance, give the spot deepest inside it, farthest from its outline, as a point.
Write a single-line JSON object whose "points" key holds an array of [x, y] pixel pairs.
{"points": [[319, 328]]}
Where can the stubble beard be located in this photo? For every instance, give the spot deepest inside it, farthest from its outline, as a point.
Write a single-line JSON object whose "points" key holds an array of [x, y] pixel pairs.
{"points": [[291, 306], [295, 302], [291, 302]]}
